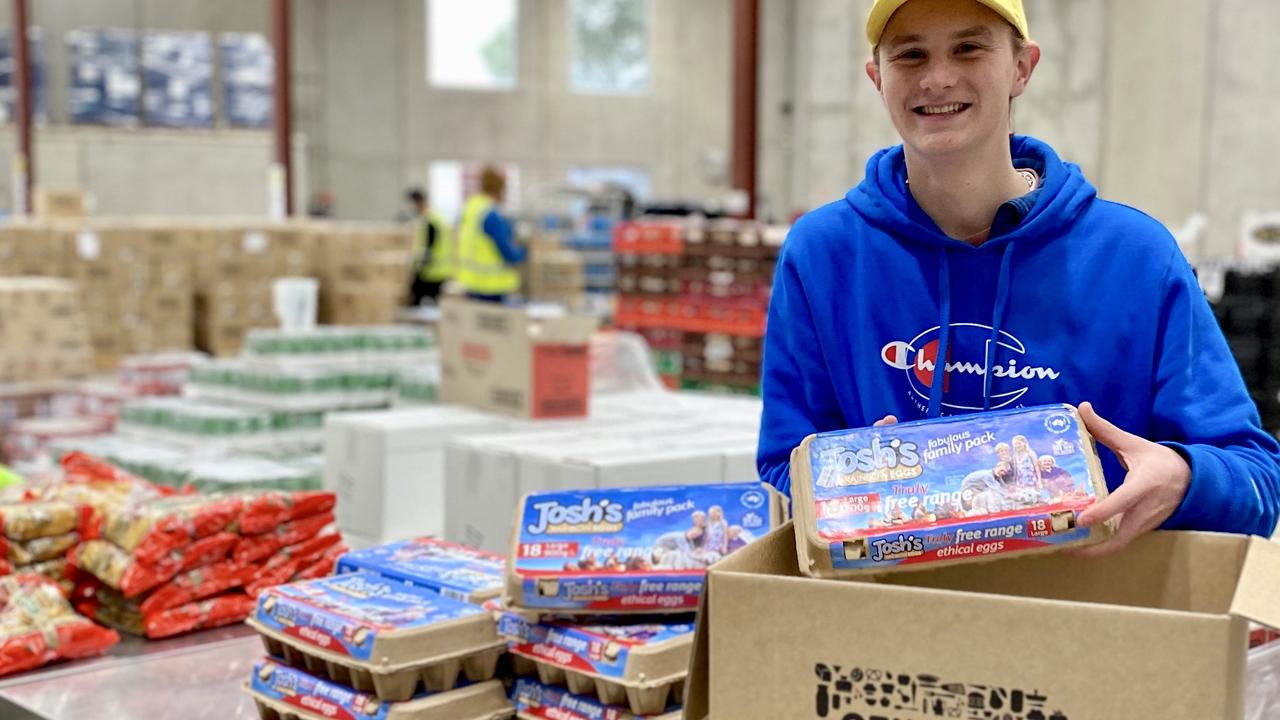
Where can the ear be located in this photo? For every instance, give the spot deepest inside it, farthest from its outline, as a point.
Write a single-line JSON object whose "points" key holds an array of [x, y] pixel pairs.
{"points": [[873, 72], [1024, 65]]}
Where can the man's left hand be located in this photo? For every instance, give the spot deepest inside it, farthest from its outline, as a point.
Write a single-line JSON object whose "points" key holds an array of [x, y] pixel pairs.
{"points": [[1156, 483]]}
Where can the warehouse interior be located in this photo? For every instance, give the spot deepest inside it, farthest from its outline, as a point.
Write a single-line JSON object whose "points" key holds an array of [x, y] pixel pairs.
{"points": [[353, 320]]}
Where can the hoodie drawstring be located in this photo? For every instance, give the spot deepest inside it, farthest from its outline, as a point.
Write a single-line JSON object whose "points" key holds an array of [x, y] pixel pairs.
{"points": [[944, 334], [997, 319], [944, 328]]}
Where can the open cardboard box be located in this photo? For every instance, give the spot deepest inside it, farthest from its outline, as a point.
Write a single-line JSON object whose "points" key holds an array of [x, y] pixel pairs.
{"points": [[1158, 631]]}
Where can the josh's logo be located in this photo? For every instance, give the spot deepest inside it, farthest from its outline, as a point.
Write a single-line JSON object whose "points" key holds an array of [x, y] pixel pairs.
{"points": [[965, 376], [585, 516]]}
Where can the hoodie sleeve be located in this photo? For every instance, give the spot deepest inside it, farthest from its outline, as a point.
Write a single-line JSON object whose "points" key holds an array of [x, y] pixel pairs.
{"points": [[1203, 410], [796, 387]]}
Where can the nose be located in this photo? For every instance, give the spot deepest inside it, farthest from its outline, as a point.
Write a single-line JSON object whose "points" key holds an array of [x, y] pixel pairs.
{"points": [[940, 74]]}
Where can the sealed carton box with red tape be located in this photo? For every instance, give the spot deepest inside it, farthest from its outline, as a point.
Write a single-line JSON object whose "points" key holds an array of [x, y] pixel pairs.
{"points": [[510, 361]]}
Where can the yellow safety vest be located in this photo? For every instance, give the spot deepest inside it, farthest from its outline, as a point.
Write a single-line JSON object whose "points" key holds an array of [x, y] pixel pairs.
{"points": [[481, 268], [443, 263]]}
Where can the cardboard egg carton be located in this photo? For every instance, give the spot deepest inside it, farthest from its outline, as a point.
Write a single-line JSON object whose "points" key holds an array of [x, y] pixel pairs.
{"points": [[455, 571], [284, 693], [539, 701], [944, 491], [378, 635], [638, 663], [636, 550]]}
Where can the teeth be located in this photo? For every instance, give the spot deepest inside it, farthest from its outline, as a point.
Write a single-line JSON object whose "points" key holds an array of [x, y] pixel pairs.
{"points": [[942, 109]]}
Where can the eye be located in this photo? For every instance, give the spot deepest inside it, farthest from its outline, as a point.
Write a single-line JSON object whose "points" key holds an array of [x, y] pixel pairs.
{"points": [[911, 54], [964, 48]]}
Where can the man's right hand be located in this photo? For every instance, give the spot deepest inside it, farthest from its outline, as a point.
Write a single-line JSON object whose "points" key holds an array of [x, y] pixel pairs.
{"points": [[886, 420]]}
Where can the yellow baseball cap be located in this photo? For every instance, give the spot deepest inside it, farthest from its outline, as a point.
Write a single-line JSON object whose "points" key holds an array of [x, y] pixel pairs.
{"points": [[1010, 10]]}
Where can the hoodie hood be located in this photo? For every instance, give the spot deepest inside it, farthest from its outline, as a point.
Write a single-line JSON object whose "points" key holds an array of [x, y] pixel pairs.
{"points": [[883, 200]]}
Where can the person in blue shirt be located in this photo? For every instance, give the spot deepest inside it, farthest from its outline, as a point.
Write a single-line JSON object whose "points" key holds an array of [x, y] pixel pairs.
{"points": [[921, 294], [487, 250]]}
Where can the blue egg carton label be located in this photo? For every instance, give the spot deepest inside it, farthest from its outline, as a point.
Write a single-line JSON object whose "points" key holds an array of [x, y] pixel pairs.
{"points": [[310, 694], [454, 571], [602, 649], [534, 699], [952, 488], [636, 549], [345, 614]]}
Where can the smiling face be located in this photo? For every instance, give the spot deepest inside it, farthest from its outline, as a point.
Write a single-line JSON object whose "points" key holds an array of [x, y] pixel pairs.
{"points": [[947, 70]]}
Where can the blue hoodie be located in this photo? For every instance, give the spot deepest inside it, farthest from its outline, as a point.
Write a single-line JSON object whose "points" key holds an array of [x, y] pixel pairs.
{"points": [[1071, 299]]}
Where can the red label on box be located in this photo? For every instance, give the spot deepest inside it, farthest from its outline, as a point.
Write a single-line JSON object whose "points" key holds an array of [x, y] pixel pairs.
{"points": [[561, 381], [1039, 527], [549, 550]]}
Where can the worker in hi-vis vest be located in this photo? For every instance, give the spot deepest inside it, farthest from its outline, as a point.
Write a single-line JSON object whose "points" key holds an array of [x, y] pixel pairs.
{"points": [[435, 255], [487, 252]]}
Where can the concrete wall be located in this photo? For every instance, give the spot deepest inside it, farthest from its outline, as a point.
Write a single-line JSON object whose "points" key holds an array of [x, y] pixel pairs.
{"points": [[374, 123], [367, 123], [1168, 105], [144, 170]]}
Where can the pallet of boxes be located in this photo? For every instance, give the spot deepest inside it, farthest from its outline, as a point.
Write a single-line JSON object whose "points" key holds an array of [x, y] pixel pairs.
{"points": [[920, 579], [44, 346], [364, 272], [237, 263]]}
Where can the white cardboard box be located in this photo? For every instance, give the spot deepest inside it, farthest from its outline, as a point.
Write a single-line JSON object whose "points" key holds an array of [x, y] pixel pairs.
{"points": [[482, 475], [387, 467]]}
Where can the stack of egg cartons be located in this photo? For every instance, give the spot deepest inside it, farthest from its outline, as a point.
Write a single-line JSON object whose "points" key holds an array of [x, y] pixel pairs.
{"points": [[601, 587], [389, 636]]}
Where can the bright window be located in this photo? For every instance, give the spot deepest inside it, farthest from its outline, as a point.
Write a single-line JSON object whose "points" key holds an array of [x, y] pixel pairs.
{"points": [[472, 43], [451, 182], [609, 46], [603, 188]]}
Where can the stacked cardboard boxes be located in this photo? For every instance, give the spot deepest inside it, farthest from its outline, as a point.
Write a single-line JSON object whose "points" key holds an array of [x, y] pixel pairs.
{"points": [[44, 334], [135, 284], [157, 284], [554, 274], [28, 248], [364, 272], [237, 262], [60, 202]]}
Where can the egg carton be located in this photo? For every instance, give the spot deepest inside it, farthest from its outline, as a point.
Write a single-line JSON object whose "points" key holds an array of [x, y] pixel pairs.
{"points": [[378, 635], [640, 662], [641, 550], [643, 700], [539, 701], [394, 685], [284, 693]]}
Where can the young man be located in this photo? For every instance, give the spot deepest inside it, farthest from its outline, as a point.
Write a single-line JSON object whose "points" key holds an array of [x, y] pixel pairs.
{"points": [[930, 259]]}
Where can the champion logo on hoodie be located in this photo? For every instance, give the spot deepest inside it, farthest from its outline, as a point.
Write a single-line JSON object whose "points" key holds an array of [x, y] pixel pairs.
{"points": [[965, 375]]}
